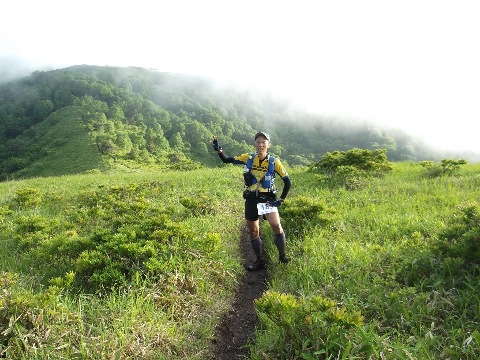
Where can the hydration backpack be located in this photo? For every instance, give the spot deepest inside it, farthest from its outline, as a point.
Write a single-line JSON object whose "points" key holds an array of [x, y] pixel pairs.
{"points": [[268, 180]]}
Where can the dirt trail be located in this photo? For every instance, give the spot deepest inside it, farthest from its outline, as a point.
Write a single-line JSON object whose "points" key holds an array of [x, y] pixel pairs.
{"points": [[236, 329]]}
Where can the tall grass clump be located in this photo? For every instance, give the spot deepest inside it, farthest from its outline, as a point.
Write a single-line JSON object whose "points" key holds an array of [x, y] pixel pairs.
{"points": [[399, 252]]}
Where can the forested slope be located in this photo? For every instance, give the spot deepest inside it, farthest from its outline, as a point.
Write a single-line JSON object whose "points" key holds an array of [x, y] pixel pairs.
{"points": [[89, 117]]}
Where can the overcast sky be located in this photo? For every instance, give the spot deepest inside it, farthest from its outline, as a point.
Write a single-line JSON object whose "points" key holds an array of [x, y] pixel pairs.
{"points": [[409, 64]]}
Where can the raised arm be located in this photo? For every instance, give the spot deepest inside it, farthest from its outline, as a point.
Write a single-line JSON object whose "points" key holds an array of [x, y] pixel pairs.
{"points": [[226, 159]]}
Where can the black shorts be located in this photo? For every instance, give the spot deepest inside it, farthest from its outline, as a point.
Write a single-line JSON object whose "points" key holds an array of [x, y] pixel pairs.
{"points": [[251, 201]]}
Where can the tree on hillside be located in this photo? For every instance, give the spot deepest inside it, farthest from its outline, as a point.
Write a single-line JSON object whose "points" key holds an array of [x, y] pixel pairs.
{"points": [[197, 136], [176, 142], [156, 141], [42, 109], [102, 131], [115, 111]]}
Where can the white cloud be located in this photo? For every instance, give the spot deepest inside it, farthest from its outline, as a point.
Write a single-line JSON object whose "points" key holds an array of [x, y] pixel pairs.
{"points": [[410, 64]]}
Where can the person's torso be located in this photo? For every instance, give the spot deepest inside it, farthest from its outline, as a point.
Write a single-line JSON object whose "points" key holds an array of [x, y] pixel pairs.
{"points": [[260, 168]]}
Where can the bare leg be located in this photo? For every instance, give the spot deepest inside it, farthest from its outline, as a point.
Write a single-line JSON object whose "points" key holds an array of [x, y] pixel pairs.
{"points": [[253, 229], [274, 221]]}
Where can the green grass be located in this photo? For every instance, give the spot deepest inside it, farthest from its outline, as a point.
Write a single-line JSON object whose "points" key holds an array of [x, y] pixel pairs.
{"points": [[369, 277], [168, 312], [381, 234]]}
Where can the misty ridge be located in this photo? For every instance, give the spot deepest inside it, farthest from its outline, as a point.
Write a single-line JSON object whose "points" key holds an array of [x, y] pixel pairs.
{"points": [[12, 68], [103, 117]]}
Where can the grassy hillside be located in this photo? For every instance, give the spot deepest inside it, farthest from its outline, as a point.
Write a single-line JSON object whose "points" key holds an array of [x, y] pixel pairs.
{"points": [[382, 267], [65, 146]]}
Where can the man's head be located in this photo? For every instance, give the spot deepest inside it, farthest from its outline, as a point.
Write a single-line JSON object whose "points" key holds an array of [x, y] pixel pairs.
{"points": [[262, 143], [264, 134]]}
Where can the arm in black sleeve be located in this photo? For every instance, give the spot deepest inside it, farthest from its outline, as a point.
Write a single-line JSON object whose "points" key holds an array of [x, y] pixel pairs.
{"points": [[225, 158], [287, 184]]}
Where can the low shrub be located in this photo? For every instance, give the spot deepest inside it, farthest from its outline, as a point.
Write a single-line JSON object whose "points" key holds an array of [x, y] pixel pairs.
{"points": [[302, 213], [446, 167], [372, 161], [27, 197], [311, 328], [461, 238]]}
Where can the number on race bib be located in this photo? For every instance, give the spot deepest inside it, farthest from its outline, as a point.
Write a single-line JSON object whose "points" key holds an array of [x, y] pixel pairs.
{"points": [[265, 208]]}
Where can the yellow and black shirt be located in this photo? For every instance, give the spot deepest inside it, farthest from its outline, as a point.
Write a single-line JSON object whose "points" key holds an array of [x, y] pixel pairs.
{"points": [[259, 169]]}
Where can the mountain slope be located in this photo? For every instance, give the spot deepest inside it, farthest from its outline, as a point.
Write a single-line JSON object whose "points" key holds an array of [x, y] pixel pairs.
{"points": [[64, 146], [142, 118]]}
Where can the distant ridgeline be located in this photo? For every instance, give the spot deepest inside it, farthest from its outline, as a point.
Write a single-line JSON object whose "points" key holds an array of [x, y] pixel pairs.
{"points": [[89, 118]]}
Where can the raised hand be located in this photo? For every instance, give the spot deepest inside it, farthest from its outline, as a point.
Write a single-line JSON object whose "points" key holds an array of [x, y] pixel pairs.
{"points": [[216, 145]]}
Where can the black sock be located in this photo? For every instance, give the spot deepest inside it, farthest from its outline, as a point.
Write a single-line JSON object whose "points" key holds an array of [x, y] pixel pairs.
{"points": [[257, 247], [280, 242]]}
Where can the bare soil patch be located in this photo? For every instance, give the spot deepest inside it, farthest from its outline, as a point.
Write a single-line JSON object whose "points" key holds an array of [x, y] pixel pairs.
{"points": [[237, 328]]}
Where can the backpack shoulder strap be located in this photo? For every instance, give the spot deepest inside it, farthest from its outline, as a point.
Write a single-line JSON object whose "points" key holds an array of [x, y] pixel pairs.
{"points": [[249, 163], [271, 165]]}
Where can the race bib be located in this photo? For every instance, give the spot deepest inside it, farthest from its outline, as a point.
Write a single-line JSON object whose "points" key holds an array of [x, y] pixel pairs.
{"points": [[265, 208]]}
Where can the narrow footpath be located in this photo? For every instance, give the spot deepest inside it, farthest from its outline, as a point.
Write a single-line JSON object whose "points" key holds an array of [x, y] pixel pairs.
{"points": [[237, 328]]}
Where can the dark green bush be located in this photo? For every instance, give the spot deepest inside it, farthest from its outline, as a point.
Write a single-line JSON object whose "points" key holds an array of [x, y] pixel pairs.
{"points": [[350, 177], [461, 239], [113, 235], [446, 167], [371, 161]]}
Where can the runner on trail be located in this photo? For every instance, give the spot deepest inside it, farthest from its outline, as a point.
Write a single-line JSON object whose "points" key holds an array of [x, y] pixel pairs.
{"points": [[260, 194]]}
